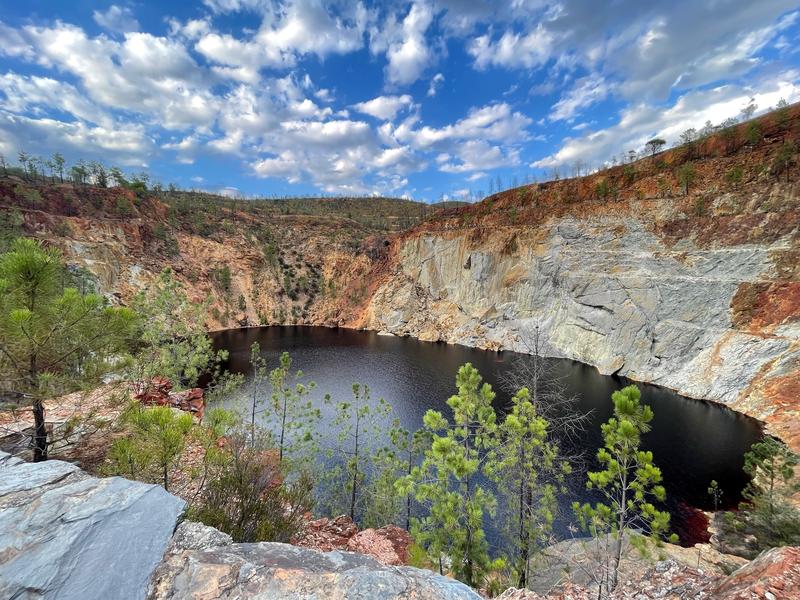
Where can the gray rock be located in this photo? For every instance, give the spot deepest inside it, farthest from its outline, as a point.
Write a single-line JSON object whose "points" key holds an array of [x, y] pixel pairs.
{"points": [[606, 291], [65, 535], [270, 571]]}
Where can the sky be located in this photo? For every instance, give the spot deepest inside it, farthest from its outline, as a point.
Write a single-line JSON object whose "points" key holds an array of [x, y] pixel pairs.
{"points": [[427, 99]]}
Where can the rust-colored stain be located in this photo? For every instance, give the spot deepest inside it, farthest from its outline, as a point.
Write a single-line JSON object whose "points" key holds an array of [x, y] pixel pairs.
{"points": [[760, 306]]}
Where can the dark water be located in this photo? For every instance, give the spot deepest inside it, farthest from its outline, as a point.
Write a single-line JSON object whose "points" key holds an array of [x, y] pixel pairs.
{"points": [[693, 441]]}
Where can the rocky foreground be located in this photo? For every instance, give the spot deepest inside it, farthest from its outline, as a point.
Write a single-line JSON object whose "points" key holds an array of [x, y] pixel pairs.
{"points": [[66, 535]]}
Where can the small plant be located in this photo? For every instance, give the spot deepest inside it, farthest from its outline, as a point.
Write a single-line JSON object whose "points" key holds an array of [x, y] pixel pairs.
{"points": [[753, 134], [62, 229], [686, 176], [602, 189], [715, 492], [783, 161], [734, 176], [123, 207], [700, 206], [629, 174], [221, 276]]}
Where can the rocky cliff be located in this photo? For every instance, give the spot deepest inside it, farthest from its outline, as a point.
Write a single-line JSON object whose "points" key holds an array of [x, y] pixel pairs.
{"points": [[625, 270]]}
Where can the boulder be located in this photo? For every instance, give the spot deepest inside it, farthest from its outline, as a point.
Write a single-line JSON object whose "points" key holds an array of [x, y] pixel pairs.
{"points": [[65, 535], [195, 567], [388, 545], [774, 574]]}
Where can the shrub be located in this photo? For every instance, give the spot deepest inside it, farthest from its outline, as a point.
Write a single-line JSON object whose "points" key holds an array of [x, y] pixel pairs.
{"points": [[62, 229], [221, 276], [753, 134], [250, 500], [123, 207], [734, 176]]}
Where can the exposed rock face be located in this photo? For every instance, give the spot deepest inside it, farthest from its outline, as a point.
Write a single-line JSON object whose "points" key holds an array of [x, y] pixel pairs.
{"points": [[774, 574], [201, 565], [65, 535], [619, 289], [388, 545]]}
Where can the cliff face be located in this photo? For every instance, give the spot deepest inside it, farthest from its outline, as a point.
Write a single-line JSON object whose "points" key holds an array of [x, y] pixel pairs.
{"points": [[254, 266], [698, 292]]}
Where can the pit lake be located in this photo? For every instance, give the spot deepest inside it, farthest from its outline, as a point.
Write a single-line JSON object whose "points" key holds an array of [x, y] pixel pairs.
{"points": [[692, 441]]}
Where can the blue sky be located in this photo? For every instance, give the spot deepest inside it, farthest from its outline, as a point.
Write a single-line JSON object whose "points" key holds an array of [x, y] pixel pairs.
{"points": [[425, 99]]}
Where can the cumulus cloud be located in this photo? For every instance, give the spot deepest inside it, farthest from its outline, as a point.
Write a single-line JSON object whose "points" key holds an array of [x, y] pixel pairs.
{"points": [[118, 19], [383, 107], [405, 44], [127, 144], [474, 155], [649, 47], [513, 50], [287, 32], [495, 122]]}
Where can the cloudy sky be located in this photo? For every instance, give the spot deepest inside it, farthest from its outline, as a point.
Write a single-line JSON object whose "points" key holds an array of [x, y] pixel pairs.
{"points": [[423, 98]]}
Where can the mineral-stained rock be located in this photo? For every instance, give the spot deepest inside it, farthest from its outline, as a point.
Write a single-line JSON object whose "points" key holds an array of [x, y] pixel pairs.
{"points": [[774, 575], [388, 545], [65, 535], [193, 568]]}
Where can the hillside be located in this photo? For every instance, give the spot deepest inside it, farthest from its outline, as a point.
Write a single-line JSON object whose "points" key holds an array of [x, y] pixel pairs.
{"points": [[260, 262]]}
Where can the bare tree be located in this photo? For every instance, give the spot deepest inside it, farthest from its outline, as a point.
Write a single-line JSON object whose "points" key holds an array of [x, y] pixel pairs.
{"points": [[654, 146], [749, 109], [548, 391]]}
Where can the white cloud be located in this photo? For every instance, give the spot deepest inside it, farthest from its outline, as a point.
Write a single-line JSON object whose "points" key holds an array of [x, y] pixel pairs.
{"points": [[639, 123], [118, 19], [586, 91], [436, 82], [127, 144], [513, 50], [495, 122], [287, 32], [407, 50], [474, 155], [31, 93], [383, 107]]}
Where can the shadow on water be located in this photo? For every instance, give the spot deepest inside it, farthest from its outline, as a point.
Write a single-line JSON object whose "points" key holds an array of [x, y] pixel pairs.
{"points": [[692, 441]]}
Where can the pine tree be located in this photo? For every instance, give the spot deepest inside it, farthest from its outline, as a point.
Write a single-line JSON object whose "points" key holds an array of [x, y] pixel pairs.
{"points": [[628, 483], [173, 340], [449, 480], [290, 416], [386, 502], [53, 340], [359, 424], [529, 476], [767, 510]]}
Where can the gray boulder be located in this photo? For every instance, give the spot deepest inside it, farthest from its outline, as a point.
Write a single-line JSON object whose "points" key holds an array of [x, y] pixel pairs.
{"points": [[65, 535], [202, 563]]}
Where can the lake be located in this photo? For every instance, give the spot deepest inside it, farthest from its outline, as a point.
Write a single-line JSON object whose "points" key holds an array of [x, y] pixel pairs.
{"points": [[692, 441]]}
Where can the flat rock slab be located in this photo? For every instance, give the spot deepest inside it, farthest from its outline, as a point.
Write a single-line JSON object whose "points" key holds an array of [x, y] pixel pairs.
{"points": [[201, 566], [65, 535]]}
